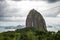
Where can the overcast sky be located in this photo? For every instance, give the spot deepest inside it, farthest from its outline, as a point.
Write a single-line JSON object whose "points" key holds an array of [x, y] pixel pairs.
{"points": [[13, 12]]}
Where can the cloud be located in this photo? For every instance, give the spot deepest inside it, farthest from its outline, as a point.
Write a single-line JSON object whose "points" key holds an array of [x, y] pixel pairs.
{"points": [[12, 11], [12, 8], [16, 0], [3, 6], [10, 0], [52, 1], [12, 19], [1, 0], [17, 10], [7, 10], [52, 20], [52, 12], [58, 15]]}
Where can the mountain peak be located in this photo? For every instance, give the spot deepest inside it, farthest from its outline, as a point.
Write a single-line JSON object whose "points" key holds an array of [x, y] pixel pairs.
{"points": [[35, 19]]}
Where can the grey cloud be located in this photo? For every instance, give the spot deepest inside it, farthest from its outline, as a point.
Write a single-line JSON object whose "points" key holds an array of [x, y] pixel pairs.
{"points": [[1, 0], [3, 5], [28, 0], [5, 10], [12, 19], [11, 0], [16, 0], [52, 1], [52, 12]]}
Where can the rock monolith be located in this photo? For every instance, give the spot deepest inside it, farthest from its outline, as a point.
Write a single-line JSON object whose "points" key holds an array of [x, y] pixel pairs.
{"points": [[35, 19]]}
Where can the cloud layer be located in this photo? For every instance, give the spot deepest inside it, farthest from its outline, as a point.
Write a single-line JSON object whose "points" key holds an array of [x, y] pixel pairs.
{"points": [[21, 9], [52, 12], [33, 0], [12, 11]]}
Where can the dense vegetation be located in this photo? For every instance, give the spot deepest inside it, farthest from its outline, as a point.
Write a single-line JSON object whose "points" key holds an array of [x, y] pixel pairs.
{"points": [[29, 34]]}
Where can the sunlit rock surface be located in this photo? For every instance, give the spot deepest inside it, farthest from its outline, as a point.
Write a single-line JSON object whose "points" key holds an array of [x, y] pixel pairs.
{"points": [[35, 19]]}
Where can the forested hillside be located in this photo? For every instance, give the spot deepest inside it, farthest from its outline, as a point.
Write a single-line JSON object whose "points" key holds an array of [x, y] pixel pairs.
{"points": [[29, 34]]}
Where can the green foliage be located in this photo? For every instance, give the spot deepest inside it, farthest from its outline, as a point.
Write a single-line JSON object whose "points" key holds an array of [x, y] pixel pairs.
{"points": [[29, 34]]}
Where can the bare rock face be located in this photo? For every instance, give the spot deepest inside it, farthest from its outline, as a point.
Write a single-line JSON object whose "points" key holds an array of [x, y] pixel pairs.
{"points": [[35, 19]]}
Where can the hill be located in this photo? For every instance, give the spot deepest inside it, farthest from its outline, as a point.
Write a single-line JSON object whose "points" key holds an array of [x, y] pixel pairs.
{"points": [[29, 34]]}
